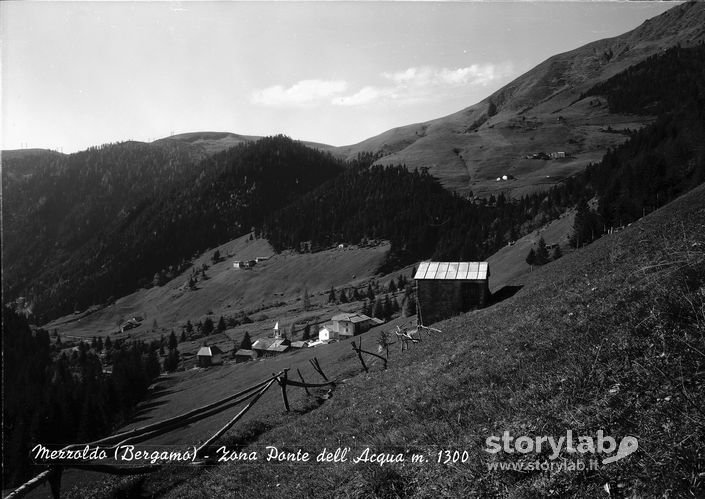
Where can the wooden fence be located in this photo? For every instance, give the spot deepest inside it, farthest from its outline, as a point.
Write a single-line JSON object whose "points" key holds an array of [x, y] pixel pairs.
{"points": [[52, 475]]}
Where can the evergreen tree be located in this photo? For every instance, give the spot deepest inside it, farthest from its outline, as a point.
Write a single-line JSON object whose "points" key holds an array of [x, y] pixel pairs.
{"points": [[307, 332], [208, 326], [221, 325], [171, 363], [152, 366], [401, 281], [387, 307], [172, 340], [557, 253], [582, 226], [395, 306], [541, 255], [409, 303], [331, 295], [531, 258], [378, 310], [246, 343]]}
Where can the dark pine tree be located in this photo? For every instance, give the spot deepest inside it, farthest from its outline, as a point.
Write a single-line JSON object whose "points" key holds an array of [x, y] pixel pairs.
{"points": [[221, 325], [531, 258], [541, 257], [208, 326], [246, 343]]}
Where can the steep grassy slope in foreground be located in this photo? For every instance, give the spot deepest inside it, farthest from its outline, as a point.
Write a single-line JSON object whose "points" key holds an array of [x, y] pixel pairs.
{"points": [[611, 337]]}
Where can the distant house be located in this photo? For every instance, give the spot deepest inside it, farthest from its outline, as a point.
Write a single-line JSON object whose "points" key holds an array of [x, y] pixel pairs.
{"points": [[244, 355], [261, 259], [209, 356], [327, 334], [299, 344], [350, 324], [504, 178], [557, 155], [130, 324], [539, 155], [244, 264], [444, 289]]}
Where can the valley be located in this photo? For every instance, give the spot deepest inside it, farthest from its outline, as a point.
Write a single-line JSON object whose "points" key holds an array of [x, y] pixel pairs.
{"points": [[145, 280]]}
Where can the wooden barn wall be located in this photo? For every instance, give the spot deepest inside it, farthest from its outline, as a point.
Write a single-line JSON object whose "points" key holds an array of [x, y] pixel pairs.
{"points": [[440, 299]]}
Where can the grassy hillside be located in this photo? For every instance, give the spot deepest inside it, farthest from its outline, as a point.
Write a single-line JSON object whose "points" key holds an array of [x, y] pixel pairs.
{"points": [[273, 289], [88, 227], [610, 337], [541, 110], [508, 266]]}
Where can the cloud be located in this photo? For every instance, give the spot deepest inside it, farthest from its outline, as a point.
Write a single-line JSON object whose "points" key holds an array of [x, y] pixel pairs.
{"points": [[429, 76], [411, 85], [302, 94], [363, 96], [426, 83]]}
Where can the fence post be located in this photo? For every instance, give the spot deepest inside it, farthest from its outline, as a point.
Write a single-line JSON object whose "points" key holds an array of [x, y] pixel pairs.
{"points": [[55, 481], [359, 354], [302, 380], [282, 382], [317, 367]]}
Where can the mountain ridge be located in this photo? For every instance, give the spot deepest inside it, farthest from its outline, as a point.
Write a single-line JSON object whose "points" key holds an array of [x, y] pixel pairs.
{"points": [[538, 111]]}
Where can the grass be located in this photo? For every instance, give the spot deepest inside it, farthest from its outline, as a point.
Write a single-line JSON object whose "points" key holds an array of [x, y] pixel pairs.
{"points": [[610, 337], [272, 288]]}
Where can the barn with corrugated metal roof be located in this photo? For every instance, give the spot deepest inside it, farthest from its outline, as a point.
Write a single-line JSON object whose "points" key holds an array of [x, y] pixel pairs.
{"points": [[445, 289]]}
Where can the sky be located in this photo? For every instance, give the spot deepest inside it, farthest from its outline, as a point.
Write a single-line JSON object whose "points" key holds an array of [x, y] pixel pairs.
{"points": [[79, 74]]}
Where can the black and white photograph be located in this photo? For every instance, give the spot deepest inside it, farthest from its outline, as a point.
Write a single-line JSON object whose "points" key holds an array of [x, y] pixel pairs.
{"points": [[352, 249]]}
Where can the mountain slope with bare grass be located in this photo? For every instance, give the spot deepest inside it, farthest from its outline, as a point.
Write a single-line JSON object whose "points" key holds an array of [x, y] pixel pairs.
{"points": [[611, 337], [540, 111]]}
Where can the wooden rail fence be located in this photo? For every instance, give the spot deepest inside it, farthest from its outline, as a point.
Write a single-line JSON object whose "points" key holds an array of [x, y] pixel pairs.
{"points": [[52, 475]]}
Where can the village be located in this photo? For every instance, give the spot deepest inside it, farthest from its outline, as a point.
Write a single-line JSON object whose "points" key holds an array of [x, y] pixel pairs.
{"points": [[442, 289], [294, 320]]}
